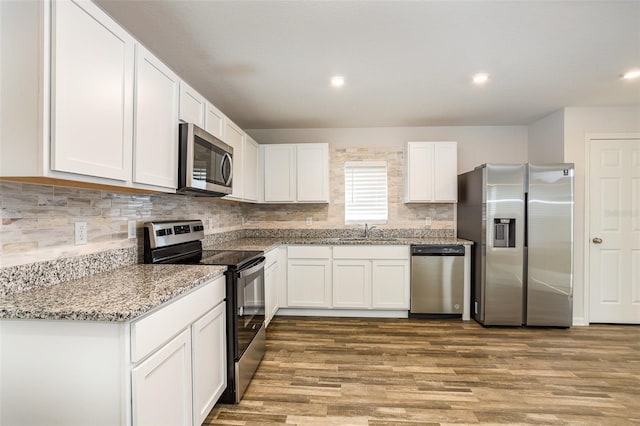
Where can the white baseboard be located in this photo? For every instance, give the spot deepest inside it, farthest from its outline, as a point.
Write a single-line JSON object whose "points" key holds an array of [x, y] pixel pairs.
{"points": [[579, 322], [352, 313]]}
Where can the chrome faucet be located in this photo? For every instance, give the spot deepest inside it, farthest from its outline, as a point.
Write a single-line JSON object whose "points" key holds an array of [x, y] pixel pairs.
{"points": [[367, 230]]}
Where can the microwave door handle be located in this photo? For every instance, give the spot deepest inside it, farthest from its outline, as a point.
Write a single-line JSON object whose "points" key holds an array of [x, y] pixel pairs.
{"points": [[227, 179]]}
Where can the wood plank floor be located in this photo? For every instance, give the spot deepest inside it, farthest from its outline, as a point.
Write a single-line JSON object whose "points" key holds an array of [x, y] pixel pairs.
{"points": [[344, 371]]}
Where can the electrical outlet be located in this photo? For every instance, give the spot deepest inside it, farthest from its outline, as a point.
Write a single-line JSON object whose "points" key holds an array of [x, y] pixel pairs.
{"points": [[132, 229], [309, 220], [242, 220], [427, 221], [81, 232], [210, 223]]}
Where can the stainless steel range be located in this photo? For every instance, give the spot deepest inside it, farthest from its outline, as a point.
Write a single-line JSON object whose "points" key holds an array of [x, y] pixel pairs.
{"points": [[178, 242]]}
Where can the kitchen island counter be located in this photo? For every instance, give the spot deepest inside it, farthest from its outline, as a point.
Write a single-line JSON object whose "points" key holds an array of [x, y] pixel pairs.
{"points": [[118, 295]]}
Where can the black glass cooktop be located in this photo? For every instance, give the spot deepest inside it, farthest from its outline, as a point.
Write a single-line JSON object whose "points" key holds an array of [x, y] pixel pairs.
{"points": [[228, 257]]}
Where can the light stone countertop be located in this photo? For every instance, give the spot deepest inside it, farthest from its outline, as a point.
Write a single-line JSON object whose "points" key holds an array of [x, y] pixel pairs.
{"points": [[119, 295], [266, 244]]}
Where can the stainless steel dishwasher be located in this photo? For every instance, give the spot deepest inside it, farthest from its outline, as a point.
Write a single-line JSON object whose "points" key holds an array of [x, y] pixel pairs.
{"points": [[437, 280]]}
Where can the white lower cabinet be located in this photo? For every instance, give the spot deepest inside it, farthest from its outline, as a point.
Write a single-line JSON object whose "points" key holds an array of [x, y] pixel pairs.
{"points": [[390, 284], [347, 277], [165, 368], [271, 284], [309, 277], [208, 336], [371, 277], [162, 385], [351, 283]]}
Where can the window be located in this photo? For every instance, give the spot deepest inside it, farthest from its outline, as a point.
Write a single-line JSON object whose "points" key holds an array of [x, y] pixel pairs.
{"points": [[365, 191]]}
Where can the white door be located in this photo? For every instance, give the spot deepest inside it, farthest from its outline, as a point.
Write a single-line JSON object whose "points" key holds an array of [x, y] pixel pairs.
{"points": [[614, 257]]}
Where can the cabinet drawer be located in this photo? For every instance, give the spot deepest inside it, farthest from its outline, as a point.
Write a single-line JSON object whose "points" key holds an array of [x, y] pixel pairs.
{"points": [[271, 257], [371, 252], [309, 252], [150, 332]]}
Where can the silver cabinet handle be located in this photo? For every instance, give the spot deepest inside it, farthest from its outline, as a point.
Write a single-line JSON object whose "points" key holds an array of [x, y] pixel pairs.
{"points": [[597, 240]]}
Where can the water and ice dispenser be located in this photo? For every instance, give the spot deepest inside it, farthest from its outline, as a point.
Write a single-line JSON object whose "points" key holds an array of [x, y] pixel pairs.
{"points": [[504, 232]]}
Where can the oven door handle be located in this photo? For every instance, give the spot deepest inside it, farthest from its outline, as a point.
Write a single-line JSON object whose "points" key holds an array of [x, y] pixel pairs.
{"points": [[252, 269]]}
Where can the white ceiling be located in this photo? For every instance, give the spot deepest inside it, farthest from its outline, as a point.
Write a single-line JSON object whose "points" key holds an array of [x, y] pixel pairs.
{"points": [[267, 64]]}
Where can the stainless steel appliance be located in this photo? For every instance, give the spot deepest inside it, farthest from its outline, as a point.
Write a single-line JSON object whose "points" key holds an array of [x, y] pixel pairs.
{"points": [[178, 242], [437, 280], [205, 166], [520, 217]]}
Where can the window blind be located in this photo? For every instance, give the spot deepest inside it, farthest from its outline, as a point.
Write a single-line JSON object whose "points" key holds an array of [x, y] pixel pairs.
{"points": [[365, 185]]}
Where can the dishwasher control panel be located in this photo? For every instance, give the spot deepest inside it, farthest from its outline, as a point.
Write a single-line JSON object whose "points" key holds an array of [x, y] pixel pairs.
{"points": [[437, 250]]}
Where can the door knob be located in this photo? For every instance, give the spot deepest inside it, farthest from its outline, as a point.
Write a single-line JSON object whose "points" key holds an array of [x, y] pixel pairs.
{"points": [[597, 240]]}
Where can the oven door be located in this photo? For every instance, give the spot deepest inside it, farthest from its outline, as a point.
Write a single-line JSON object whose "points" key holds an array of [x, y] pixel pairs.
{"points": [[250, 304]]}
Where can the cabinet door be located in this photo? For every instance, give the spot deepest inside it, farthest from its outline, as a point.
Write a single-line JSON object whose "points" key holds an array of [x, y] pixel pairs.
{"points": [[214, 121], [269, 285], [192, 105], [351, 283], [281, 277], [156, 122], [92, 92], [312, 175], [390, 284], [209, 361], [420, 156], [279, 173], [161, 385], [250, 169], [234, 137], [309, 283], [446, 171]]}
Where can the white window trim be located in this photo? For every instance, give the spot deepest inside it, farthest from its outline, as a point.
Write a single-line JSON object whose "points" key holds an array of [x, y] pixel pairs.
{"points": [[368, 164]]}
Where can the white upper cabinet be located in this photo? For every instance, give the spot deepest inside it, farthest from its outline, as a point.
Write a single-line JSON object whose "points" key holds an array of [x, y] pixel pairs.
{"points": [[234, 137], [296, 173], [312, 172], [431, 170], [250, 169], [92, 66], [214, 121], [279, 173], [156, 122], [192, 105]]}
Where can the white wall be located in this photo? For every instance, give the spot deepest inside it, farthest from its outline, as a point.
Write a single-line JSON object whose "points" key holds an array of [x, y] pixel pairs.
{"points": [[578, 124], [476, 144], [545, 141]]}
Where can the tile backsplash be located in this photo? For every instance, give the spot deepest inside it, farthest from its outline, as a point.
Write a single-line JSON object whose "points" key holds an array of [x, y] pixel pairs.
{"points": [[38, 220]]}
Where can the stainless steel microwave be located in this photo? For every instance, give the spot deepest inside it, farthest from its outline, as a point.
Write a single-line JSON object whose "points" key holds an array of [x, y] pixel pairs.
{"points": [[205, 166]]}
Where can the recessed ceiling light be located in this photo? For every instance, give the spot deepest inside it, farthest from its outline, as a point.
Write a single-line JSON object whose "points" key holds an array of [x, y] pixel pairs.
{"points": [[480, 78], [630, 75], [337, 81]]}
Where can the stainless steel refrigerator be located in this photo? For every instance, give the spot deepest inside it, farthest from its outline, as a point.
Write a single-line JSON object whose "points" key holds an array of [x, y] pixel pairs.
{"points": [[520, 217]]}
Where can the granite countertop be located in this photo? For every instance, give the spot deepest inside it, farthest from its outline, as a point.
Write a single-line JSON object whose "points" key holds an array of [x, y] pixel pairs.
{"points": [[266, 244], [119, 295]]}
